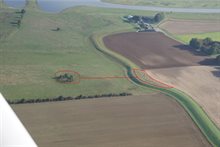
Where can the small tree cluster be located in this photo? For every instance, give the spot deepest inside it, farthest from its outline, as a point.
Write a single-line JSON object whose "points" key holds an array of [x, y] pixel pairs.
{"points": [[206, 45], [62, 98], [159, 17], [65, 78], [21, 13], [145, 19]]}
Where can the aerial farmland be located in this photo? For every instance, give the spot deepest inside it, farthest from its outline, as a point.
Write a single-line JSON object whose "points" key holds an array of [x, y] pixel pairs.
{"points": [[106, 73]]}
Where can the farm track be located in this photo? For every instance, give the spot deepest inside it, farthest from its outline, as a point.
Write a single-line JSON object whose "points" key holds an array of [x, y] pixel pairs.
{"points": [[209, 129]]}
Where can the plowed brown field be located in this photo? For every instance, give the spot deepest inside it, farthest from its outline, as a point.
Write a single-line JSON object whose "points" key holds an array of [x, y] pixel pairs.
{"points": [[153, 50], [190, 26]]}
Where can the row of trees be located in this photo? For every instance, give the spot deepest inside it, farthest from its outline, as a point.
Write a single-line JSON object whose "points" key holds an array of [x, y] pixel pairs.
{"points": [[207, 45], [62, 98], [18, 22], [145, 19]]}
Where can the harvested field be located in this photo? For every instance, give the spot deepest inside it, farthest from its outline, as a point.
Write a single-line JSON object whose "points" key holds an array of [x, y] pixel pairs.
{"points": [[153, 50], [140, 121], [190, 26], [202, 83]]}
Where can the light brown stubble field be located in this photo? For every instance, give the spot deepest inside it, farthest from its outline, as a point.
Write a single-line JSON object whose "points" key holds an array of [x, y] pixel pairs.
{"points": [[140, 121]]}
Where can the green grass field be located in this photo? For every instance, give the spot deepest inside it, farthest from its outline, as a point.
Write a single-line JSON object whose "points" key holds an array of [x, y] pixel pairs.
{"points": [[171, 3], [31, 54], [187, 37]]}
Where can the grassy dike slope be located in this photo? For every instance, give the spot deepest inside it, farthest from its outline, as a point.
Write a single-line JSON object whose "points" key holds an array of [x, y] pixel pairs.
{"points": [[209, 129]]}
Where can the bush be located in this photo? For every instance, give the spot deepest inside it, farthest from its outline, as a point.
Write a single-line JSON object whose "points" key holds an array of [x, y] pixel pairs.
{"points": [[159, 17], [206, 45]]}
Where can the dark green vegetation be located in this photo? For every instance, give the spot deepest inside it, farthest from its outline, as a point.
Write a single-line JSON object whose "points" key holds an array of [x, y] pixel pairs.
{"points": [[64, 78], [218, 59], [143, 23], [207, 46], [145, 19]]}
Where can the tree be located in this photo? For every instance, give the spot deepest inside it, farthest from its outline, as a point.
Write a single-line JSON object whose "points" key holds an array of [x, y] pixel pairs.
{"points": [[218, 59], [23, 11], [57, 29], [215, 48], [159, 17], [207, 41], [19, 22], [195, 43]]}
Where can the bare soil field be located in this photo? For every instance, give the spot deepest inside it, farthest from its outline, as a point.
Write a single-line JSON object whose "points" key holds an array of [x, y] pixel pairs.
{"points": [[202, 83], [134, 121], [153, 50], [179, 27]]}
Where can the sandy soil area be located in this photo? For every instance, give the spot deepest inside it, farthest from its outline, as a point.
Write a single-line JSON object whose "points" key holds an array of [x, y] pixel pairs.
{"points": [[190, 26], [200, 82], [152, 120]]}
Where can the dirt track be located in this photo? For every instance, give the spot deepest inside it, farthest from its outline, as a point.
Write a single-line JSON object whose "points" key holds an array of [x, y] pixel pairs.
{"points": [[153, 50], [200, 82], [136, 121], [190, 26]]}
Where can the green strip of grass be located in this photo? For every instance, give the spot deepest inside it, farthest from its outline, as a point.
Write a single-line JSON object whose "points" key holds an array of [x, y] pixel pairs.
{"points": [[187, 37]]}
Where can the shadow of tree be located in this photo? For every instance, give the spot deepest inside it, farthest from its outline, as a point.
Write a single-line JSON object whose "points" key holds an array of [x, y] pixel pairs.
{"points": [[216, 73], [208, 61], [189, 49]]}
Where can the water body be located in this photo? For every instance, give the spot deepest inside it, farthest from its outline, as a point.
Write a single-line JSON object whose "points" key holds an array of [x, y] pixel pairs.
{"points": [[15, 3], [56, 6]]}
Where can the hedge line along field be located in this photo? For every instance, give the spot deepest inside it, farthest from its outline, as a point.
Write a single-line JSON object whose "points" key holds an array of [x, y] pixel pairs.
{"points": [[140, 121], [170, 3]]}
